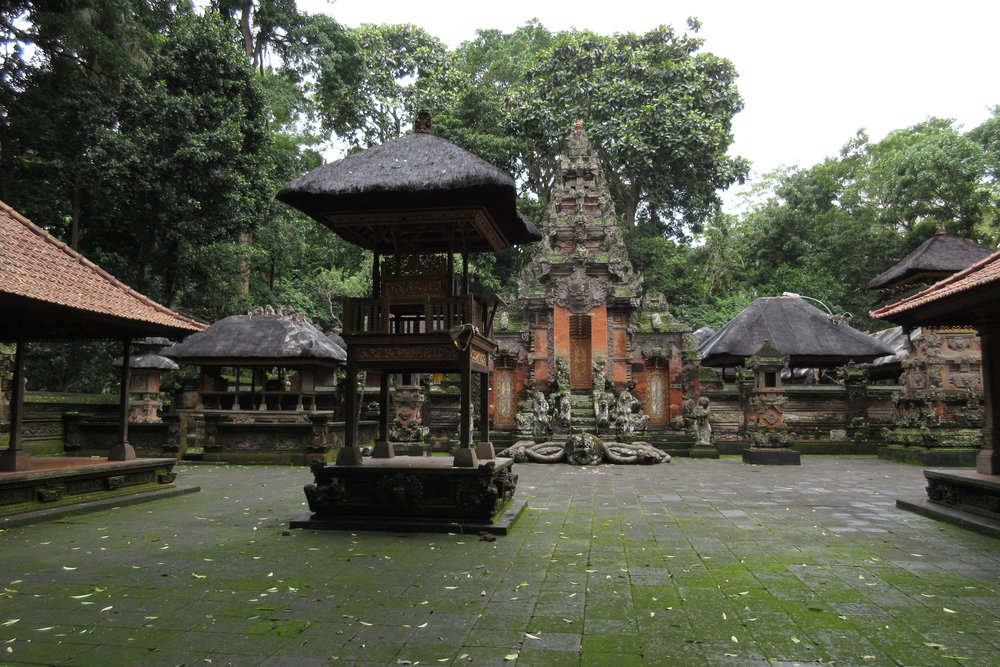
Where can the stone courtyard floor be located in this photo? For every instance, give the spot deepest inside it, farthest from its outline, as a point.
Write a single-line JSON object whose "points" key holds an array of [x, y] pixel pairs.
{"points": [[696, 562]]}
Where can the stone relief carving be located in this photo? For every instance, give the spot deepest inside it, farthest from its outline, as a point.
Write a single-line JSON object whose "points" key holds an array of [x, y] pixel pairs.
{"points": [[585, 449]]}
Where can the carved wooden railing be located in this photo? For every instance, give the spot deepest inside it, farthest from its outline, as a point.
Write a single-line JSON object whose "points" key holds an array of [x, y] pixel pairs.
{"points": [[415, 315]]}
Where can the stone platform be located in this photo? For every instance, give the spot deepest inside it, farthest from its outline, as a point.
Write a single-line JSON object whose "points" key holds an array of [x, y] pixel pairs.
{"points": [[962, 497], [57, 486], [414, 494], [771, 456]]}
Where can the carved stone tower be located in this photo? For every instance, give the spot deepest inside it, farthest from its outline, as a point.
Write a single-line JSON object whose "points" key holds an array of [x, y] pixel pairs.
{"points": [[576, 320]]}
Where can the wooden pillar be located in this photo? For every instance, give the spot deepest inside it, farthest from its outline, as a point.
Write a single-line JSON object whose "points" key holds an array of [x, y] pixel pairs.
{"points": [[484, 448], [465, 271], [988, 460], [123, 451], [383, 449], [465, 456], [14, 458], [350, 453]]}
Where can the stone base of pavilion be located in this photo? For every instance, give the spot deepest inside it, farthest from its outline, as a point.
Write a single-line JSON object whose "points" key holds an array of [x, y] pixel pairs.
{"points": [[64, 485], [958, 457], [413, 494], [771, 456], [961, 497]]}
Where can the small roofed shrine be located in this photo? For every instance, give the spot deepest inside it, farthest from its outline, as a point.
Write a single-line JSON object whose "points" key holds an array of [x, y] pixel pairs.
{"points": [[969, 298], [50, 292], [771, 336], [422, 205], [939, 406], [267, 387], [147, 365]]}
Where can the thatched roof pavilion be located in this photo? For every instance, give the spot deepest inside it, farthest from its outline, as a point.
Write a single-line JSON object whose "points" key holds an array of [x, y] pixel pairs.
{"points": [[262, 340], [939, 256], [810, 337], [256, 339], [389, 198]]}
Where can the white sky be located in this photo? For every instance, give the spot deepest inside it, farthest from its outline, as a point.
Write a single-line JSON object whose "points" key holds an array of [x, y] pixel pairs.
{"points": [[811, 73]]}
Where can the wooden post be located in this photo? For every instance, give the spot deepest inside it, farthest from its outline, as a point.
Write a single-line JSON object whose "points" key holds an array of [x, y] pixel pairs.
{"points": [[350, 453], [14, 458], [988, 460], [123, 451], [383, 450], [484, 448], [465, 455]]}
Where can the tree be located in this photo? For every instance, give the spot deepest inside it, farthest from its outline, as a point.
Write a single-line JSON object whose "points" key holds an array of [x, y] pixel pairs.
{"points": [[398, 61], [659, 112], [185, 164]]}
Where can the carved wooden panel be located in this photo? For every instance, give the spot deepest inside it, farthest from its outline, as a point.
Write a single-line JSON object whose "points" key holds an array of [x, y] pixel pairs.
{"points": [[580, 368], [657, 397]]}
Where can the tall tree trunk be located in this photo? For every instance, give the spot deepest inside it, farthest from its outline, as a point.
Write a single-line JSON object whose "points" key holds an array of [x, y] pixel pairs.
{"points": [[74, 226], [632, 204]]}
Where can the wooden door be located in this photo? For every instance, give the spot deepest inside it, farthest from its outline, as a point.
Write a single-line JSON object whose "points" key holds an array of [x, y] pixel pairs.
{"points": [[580, 371]]}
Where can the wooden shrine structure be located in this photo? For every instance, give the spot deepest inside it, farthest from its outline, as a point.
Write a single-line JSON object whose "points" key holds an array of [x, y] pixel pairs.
{"points": [[422, 205]]}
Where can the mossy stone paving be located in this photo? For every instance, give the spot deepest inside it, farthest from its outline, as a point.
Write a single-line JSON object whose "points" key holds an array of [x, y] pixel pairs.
{"points": [[697, 562]]}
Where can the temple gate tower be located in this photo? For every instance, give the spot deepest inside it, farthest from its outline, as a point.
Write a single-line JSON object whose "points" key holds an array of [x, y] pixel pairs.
{"points": [[580, 325]]}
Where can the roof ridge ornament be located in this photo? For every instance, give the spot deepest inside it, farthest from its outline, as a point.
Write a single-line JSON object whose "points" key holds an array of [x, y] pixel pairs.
{"points": [[423, 122]]}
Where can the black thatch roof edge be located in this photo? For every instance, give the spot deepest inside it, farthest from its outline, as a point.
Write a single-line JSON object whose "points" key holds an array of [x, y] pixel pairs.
{"points": [[795, 328], [411, 172], [939, 253]]}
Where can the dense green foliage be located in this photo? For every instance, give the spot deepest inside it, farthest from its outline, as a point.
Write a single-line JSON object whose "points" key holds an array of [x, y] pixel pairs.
{"points": [[152, 136]]}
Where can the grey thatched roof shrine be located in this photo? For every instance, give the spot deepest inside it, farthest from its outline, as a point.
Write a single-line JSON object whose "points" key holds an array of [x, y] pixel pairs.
{"points": [[283, 340], [937, 257], [798, 329], [410, 195]]}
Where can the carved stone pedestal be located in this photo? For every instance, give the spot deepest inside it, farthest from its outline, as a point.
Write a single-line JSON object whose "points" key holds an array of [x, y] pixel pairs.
{"points": [[962, 497], [771, 456], [419, 494]]}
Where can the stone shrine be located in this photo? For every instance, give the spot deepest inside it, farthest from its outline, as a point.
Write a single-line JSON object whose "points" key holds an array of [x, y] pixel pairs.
{"points": [[581, 349]]}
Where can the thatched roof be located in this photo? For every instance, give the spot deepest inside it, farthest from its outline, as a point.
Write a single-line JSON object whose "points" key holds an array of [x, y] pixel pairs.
{"points": [[897, 341], [937, 257], [964, 298], [806, 334], [149, 361], [50, 291], [281, 340], [702, 333], [412, 193]]}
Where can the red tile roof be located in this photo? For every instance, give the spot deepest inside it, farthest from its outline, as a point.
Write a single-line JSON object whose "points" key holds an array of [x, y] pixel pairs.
{"points": [[985, 272], [37, 270]]}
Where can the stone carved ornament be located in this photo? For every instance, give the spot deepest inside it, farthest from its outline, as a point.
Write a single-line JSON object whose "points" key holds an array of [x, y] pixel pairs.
{"points": [[585, 449]]}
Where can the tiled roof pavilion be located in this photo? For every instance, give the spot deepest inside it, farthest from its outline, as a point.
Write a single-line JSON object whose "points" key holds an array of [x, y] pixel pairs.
{"points": [[50, 291]]}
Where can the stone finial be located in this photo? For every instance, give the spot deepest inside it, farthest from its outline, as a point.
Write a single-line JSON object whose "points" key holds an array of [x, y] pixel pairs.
{"points": [[423, 122]]}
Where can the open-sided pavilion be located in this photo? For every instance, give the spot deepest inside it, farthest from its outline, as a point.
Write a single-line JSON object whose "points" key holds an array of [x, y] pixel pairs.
{"points": [[48, 291]]}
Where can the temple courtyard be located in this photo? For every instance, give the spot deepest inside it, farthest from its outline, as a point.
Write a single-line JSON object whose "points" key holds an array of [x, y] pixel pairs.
{"points": [[695, 562]]}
